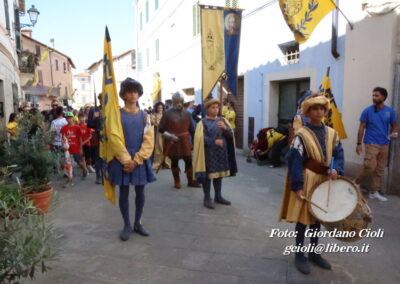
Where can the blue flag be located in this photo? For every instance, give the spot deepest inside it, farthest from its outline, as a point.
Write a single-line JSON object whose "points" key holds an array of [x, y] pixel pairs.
{"points": [[232, 23]]}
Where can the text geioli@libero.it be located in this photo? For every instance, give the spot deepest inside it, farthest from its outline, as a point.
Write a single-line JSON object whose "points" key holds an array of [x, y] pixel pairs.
{"points": [[329, 247]]}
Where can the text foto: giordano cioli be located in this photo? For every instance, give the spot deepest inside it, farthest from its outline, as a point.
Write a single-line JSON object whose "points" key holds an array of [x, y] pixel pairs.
{"points": [[310, 233]]}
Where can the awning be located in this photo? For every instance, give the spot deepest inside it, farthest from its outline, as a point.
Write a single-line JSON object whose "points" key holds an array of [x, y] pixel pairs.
{"points": [[42, 91]]}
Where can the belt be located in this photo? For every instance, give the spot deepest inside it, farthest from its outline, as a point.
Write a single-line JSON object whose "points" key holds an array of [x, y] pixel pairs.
{"points": [[316, 167]]}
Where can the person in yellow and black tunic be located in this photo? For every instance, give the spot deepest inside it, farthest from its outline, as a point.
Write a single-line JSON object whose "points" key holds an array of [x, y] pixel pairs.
{"points": [[213, 159], [309, 156]]}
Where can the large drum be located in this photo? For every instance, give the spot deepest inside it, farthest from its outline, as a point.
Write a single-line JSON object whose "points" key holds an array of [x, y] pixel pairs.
{"points": [[344, 209]]}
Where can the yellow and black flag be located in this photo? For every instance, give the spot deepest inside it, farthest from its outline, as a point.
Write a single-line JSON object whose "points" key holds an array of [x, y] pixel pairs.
{"points": [[334, 117], [302, 16], [112, 140]]}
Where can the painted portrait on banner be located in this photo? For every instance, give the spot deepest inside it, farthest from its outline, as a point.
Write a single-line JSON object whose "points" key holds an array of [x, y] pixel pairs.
{"points": [[232, 23]]}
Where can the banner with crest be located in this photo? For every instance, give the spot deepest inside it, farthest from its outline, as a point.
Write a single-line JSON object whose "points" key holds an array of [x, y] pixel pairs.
{"points": [[212, 47], [302, 16]]}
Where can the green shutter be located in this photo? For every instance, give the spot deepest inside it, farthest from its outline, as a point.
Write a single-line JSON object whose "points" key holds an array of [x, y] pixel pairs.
{"points": [[155, 4], [147, 11]]}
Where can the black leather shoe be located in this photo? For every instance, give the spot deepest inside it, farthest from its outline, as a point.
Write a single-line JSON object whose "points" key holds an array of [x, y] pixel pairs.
{"points": [[209, 204], [318, 260], [222, 201], [301, 263], [138, 228], [126, 232]]}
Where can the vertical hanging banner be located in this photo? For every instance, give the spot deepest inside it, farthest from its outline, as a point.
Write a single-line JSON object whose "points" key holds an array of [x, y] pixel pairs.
{"points": [[334, 118], [302, 16], [232, 23], [212, 47], [112, 140]]}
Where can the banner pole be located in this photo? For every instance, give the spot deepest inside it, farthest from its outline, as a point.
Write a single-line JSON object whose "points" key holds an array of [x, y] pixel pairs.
{"points": [[221, 79], [344, 16]]}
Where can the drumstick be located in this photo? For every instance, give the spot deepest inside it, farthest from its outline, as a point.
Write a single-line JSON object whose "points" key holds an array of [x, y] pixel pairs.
{"points": [[312, 203], [330, 182]]}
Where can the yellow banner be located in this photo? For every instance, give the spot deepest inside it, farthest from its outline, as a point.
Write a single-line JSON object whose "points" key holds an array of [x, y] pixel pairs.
{"points": [[212, 47], [156, 88], [112, 140], [44, 55], [302, 16], [334, 118]]}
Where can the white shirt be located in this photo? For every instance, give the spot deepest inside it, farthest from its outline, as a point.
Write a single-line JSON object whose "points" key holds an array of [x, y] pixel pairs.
{"points": [[56, 126]]}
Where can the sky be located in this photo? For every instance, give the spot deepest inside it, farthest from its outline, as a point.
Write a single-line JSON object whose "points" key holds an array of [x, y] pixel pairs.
{"points": [[78, 27]]}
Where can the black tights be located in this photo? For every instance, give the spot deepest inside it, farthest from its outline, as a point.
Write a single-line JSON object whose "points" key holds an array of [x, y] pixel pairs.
{"points": [[124, 203], [188, 162], [301, 230], [217, 182]]}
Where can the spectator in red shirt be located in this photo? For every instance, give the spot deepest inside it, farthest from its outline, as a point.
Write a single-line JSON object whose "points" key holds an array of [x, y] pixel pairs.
{"points": [[72, 133], [86, 134]]}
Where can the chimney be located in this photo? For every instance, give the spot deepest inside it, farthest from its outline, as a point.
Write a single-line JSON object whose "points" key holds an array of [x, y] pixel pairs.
{"points": [[27, 32]]}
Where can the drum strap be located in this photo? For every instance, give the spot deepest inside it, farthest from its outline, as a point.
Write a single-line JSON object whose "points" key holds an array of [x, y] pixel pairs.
{"points": [[316, 167]]}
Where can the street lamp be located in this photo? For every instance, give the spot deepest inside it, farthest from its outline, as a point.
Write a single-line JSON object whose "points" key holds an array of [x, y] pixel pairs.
{"points": [[33, 15]]}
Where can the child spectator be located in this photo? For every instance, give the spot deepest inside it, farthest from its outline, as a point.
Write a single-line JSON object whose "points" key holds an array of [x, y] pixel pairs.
{"points": [[86, 134], [72, 132]]}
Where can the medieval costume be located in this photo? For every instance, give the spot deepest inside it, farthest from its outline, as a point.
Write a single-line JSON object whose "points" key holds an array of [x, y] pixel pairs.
{"points": [[212, 161], [177, 128], [139, 143], [158, 158], [309, 158]]}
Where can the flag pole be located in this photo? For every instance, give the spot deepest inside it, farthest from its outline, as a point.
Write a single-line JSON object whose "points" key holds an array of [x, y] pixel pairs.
{"points": [[328, 70], [344, 16]]}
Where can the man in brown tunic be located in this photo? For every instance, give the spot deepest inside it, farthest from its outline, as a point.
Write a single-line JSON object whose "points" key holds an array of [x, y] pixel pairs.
{"points": [[178, 132]]}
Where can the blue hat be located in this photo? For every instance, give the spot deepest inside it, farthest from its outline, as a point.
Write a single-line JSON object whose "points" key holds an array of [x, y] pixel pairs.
{"points": [[132, 83], [303, 97]]}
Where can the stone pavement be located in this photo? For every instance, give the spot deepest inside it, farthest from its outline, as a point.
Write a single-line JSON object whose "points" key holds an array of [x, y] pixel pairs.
{"points": [[191, 244]]}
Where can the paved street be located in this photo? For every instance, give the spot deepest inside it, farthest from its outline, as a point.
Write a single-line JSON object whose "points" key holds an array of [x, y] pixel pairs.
{"points": [[191, 244]]}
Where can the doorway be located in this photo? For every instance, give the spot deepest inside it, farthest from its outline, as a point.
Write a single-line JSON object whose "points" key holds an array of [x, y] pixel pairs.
{"points": [[289, 93]]}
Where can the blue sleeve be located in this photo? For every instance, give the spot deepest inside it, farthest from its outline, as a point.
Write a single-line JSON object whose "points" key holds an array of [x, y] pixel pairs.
{"points": [[338, 154], [393, 117], [364, 115], [295, 166]]}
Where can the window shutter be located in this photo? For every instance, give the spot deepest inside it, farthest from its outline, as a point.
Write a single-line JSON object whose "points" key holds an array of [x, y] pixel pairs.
{"points": [[17, 30], [7, 12]]}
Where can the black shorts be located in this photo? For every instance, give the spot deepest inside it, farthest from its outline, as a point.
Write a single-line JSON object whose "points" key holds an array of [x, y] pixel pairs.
{"points": [[87, 151]]}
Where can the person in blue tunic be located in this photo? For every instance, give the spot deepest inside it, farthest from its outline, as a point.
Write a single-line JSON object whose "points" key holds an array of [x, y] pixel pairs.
{"points": [[139, 142], [212, 158]]}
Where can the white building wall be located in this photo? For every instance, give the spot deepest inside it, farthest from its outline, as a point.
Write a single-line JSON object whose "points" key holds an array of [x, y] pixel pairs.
{"points": [[122, 69], [9, 73], [83, 91]]}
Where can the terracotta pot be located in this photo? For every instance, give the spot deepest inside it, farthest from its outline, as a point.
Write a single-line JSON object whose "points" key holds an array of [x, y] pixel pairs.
{"points": [[41, 200]]}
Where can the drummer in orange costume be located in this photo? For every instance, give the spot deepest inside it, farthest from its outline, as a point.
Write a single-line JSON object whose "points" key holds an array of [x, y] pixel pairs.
{"points": [[309, 158]]}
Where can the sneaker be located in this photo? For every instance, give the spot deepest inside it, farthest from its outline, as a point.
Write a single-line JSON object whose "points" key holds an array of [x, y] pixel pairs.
{"points": [[99, 180], [377, 195], [91, 170]]}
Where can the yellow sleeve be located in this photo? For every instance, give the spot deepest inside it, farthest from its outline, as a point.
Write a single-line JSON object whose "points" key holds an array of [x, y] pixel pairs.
{"points": [[147, 147]]}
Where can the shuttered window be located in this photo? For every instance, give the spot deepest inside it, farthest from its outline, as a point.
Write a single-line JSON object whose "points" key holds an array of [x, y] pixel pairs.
{"points": [[196, 19]]}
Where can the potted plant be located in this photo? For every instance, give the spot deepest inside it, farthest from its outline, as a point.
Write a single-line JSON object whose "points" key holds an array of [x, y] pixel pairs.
{"points": [[27, 240], [36, 163]]}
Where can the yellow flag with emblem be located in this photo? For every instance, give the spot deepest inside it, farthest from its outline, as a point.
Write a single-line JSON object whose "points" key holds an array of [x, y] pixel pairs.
{"points": [[334, 117], [212, 47], [302, 16], [112, 140]]}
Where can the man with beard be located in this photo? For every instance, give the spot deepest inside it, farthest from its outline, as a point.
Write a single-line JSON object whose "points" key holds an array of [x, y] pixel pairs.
{"points": [[375, 121], [177, 127]]}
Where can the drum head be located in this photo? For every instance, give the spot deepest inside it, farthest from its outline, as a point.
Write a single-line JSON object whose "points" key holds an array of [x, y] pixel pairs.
{"points": [[343, 198]]}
